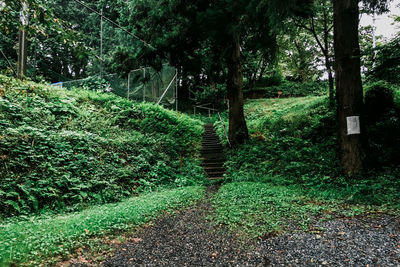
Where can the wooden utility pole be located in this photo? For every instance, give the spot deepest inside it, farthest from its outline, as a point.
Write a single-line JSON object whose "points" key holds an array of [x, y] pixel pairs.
{"points": [[23, 43]]}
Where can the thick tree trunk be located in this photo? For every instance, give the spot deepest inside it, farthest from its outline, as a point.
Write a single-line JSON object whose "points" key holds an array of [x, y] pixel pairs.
{"points": [[349, 91], [237, 124]]}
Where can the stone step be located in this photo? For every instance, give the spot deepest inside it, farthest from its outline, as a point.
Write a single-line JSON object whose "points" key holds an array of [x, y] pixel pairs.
{"points": [[214, 169], [212, 154], [215, 178], [213, 164], [221, 148], [220, 160], [215, 174], [212, 149], [214, 142]]}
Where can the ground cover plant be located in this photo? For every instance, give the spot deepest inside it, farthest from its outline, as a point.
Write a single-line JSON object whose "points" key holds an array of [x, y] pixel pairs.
{"points": [[289, 89], [288, 171], [36, 239], [62, 150]]}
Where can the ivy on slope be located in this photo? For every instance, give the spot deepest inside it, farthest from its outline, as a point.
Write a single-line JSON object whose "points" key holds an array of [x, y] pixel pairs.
{"points": [[66, 149]]}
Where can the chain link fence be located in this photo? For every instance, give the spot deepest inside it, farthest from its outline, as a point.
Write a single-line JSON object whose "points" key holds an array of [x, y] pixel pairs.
{"points": [[145, 84]]}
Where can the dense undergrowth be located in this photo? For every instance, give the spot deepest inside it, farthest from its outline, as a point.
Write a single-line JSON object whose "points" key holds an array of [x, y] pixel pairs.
{"points": [[61, 150], [289, 89], [289, 169], [50, 240]]}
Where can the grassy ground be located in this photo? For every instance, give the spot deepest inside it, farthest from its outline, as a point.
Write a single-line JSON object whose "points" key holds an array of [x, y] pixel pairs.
{"points": [[288, 174], [33, 240]]}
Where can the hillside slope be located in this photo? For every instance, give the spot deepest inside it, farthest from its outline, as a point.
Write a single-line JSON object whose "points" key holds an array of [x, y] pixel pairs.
{"points": [[288, 173], [66, 149]]}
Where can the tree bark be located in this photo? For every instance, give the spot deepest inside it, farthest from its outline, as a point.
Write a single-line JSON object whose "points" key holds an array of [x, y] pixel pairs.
{"points": [[349, 91], [238, 132]]}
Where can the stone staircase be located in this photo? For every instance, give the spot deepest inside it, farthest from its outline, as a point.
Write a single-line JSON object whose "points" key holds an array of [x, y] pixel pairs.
{"points": [[212, 153]]}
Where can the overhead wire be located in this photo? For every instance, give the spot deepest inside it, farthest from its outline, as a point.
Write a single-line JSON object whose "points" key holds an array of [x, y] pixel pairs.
{"points": [[115, 24], [9, 63]]}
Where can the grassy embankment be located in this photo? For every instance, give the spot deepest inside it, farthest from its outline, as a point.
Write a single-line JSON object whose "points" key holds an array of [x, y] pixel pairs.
{"points": [[288, 172], [67, 151]]}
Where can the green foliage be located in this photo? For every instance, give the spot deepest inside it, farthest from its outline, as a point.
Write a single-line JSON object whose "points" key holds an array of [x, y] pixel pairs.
{"points": [[35, 239], [292, 137], [382, 118], [68, 149], [387, 66], [256, 209], [291, 89], [268, 81], [288, 171], [214, 95], [378, 99]]}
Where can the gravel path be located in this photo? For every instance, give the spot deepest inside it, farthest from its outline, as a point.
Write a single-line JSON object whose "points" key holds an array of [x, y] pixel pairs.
{"points": [[341, 242], [187, 239], [184, 239]]}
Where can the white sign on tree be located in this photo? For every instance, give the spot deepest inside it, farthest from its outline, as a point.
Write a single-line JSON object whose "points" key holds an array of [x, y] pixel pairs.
{"points": [[353, 125]]}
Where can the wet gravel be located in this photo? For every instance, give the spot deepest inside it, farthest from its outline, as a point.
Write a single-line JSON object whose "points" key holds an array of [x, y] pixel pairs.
{"points": [[185, 239], [341, 242], [188, 239]]}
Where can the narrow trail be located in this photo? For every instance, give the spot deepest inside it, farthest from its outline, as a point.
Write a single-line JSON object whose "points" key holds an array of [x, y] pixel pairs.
{"points": [[187, 238], [184, 239]]}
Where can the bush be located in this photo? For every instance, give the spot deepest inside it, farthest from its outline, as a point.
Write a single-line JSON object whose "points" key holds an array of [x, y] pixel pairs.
{"points": [[268, 81], [378, 99], [69, 149], [382, 125], [291, 89]]}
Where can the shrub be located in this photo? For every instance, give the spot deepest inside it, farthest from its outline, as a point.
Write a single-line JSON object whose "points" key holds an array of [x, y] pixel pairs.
{"points": [[69, 149], [378, 99], [291, 89]]}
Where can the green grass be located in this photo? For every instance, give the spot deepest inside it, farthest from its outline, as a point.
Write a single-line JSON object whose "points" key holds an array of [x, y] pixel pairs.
{"points": [[292, 89], [289, 170], [256, 209], [32, 240]]}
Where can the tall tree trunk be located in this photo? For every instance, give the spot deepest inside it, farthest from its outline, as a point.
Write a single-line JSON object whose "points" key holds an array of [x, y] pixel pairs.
{"points": [[349, 91], [23, 43], [331, 82], [237, 124]]}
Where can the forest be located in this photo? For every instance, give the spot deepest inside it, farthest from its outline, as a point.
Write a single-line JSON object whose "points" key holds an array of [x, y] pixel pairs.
{"points": [[199, 133]]}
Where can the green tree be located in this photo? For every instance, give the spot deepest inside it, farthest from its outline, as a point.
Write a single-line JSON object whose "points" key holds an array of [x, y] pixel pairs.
{"points": [[320, 25], [349, 90], [387, 63], [298, 55], [55, 50], [189, 35]]}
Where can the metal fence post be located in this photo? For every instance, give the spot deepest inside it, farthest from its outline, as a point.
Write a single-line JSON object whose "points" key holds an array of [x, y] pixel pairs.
{"points": [[129, 80], [176, 90], [144, 82]]}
